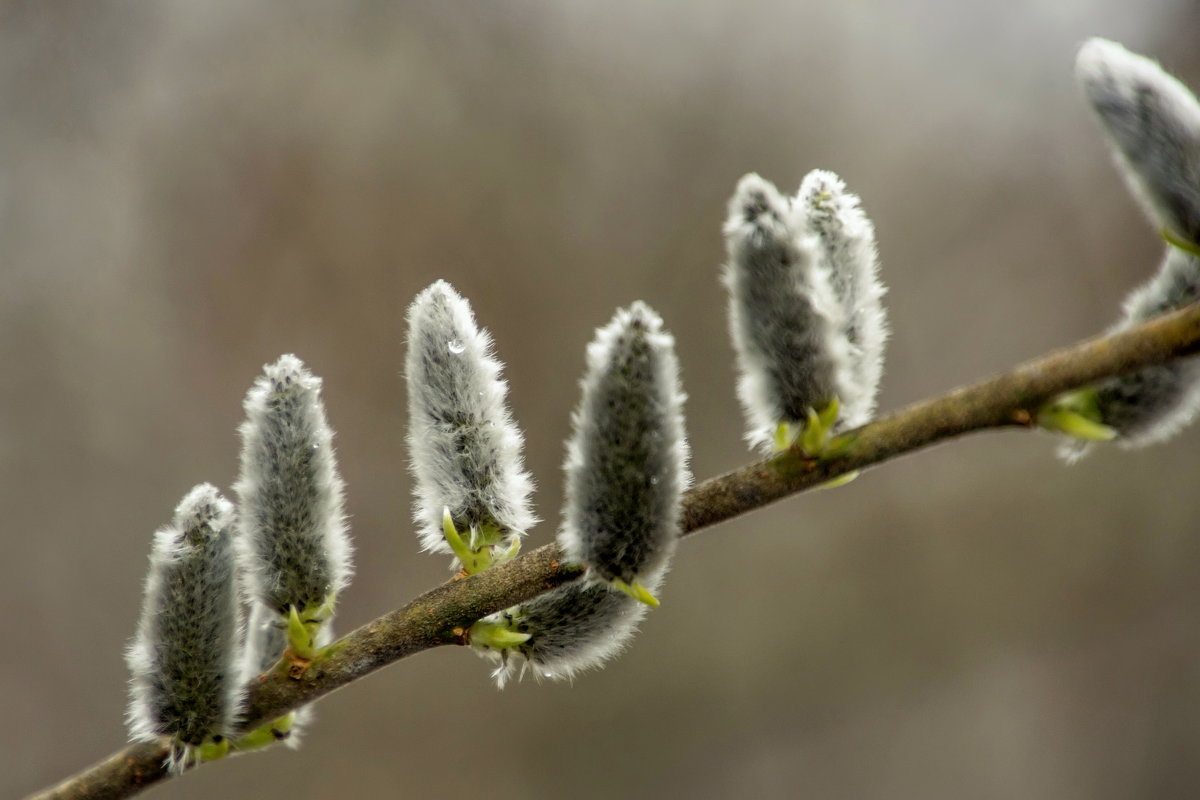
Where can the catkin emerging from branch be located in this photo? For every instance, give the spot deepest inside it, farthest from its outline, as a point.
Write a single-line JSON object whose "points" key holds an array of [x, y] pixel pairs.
{"points": [[576, 627], [293, 538], [1153, 404], [626, 469], [784, 317], [464, 445], [626, 464], [845, 248], [1153, 124], [184, 659]]}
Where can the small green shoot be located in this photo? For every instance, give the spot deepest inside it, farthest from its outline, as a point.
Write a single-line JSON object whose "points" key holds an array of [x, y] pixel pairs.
{"points": [[302, 628], [265, 735], [1180, 243], [215, 748], [812, 434], [840, 480], [637, 592], [495, 636], [479, 553], [1076, 414]]}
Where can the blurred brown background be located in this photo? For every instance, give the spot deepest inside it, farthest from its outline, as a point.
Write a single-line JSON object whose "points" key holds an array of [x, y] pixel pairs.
{"points": [[189, 189]]}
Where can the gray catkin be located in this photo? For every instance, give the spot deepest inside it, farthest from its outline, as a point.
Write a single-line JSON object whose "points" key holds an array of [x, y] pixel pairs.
{"points": [[626, 469], [184, 658], [292, 529], [785, 320], [576, 627], [626, 464], [1153, 123], [845, 247], [465, 448], [1153, 404]]}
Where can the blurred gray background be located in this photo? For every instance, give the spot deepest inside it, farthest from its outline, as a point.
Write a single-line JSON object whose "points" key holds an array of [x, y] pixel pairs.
{"points": [[189, 189]]}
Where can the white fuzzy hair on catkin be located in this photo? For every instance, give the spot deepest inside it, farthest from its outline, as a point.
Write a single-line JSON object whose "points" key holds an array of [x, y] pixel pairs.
{"points": [[1153, 404], [787, 324], [626, 464], [184, 659], [626, 470], [1153, 124], [846, 249], [293, 539], [464, 447], [574, 628]]}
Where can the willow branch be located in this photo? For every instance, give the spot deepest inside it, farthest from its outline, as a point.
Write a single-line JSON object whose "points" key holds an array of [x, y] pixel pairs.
{"points": [[442, 615]]}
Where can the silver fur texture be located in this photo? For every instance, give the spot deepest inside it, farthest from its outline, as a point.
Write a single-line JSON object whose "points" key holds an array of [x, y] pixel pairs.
{"points": [[292, 528], [626, 469], [845, 246], [1153, 404], [465, 448], [626, 464], [805, 310], [1153, 124], [184, 658], [576, 627]]}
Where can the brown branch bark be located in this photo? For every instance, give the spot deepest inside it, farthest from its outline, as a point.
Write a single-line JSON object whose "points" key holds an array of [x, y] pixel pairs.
{"points": [[442, 615]]}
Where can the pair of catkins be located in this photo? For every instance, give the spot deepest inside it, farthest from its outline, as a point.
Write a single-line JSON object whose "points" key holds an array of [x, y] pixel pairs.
{"points": [[809, 328], [625, 472], [282, 557]]}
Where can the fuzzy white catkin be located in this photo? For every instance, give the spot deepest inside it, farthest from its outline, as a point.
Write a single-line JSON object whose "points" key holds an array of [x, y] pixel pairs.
{"points": [[845, 248], [1153, 123], [292, 529], [626, 464], [184, 658], [1153, 404], [465, 448], [576, 627], [785, 319], [626, 469]]}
